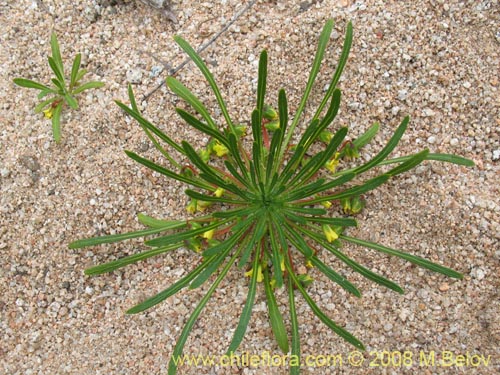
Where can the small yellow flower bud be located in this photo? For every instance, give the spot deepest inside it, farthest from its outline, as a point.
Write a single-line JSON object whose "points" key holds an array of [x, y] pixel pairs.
{"points": [[260, 276], [219, 192], [332, 165], [220, 150], [191, 207], [48, 112], [330, 234], [326, 204], [209, 234]]}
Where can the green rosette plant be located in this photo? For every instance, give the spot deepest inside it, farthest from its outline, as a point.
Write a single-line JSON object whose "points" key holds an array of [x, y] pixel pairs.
{"points": [[265, 202], [62, 92]]}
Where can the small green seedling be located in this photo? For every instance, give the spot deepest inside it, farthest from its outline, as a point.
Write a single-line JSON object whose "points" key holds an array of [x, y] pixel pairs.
{"points": [[60, 93]]}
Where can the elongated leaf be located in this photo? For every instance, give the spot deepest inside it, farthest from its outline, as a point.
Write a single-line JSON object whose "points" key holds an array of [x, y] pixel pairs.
{"points": [[157, 168], [366, 137], [424, 263], [81, 73], [56, 56], [326, 320], [88, 86], [55, 68], [115, 237], [131, 98], [393, 142], [145, 124], [323, 41], [277, 253], [71, 101], [409, 164], [122, 262], [335, 277], [40, 107], [177, 237], [454, 159], [338, 221], [239, 333], [261, 85], [356, 190], [208, 76], [275, 316], [182, 91], [170, 291], [56, 122], [181, 341], [160, 223], [28, 83], [74, 69], [295, 347], [211, 198], [370, 275], [340, 67], [195, 123]]}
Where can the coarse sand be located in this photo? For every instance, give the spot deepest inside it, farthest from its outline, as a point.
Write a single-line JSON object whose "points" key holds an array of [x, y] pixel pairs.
{"points": [[436, 60]]}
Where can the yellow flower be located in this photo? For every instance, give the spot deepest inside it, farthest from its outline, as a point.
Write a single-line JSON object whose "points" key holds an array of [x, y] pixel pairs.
{"points": [[218, 193], [326, 204], [330, 234], [191, 207], [48, 112], [332, 164], [209, 234], [220, 150], [309, 264], [260, 276]]}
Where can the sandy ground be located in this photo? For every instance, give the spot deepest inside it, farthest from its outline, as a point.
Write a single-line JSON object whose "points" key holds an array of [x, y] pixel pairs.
{"points": [[438, 61]]}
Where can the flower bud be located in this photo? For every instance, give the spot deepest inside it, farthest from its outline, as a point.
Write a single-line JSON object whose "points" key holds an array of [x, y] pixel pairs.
{"points": [[220, 150], [330, 234], [269, 113]]}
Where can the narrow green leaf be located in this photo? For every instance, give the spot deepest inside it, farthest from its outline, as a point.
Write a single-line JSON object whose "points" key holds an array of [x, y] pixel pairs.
{"points": [[277, 253], [211, 198], [152, 222], [177, 237], [261, 84], [337, 221], [370, 275], [81, 73], [145, 124], [40, 107], [335, 277], [56, 122], [155, 167], [409, 164], [208, 76], [195, 123], [179, 346], [56, 56], [245, 315], [448, 158], [340, 67], [74, 69], [323, 41], [393, 142], [71, 101], [366, 137], [122, 262], [182, 91], [275, 316], [356, 190], [170, 291], [424, 263], [55, 68], [295, 347], [131, 98], [115, 237], [31, 84], [88, 86], [326, 320]]}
